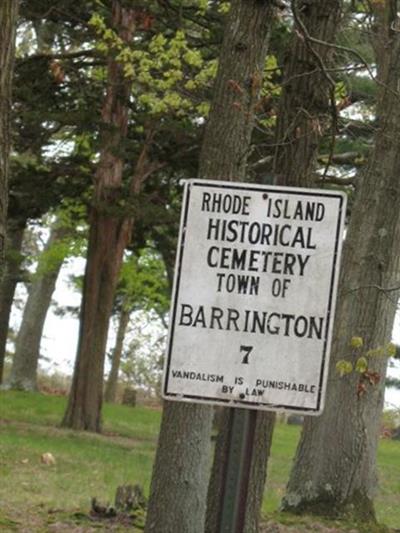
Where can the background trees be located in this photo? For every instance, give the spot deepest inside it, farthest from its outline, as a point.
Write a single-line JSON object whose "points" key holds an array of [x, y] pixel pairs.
{"points": [[343, 478], [8, 21], [112, 122]]}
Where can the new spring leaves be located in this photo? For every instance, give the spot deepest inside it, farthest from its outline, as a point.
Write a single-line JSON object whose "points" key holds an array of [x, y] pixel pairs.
{"points": [[254, 295]]}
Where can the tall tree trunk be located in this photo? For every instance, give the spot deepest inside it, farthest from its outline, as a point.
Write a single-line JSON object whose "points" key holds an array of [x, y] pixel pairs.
{"points": [[305, 112], [304, 104], [27, 346], [12, 274], [8, 20], [111, 388], [181, 469], [335, 465], [109, 234]]}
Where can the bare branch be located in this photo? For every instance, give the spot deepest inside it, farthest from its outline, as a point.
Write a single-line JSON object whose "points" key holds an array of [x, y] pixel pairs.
{"points": [[386, 291]]}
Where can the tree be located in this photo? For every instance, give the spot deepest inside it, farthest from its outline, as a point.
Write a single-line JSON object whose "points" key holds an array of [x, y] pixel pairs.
{"points": [[108, 237], [307, 109], [12, 274], [335, 465], [46, 110], [8, 19], [154, 67], [27, 346], [184, 441], [303, 117], [112, 382], [143, 285]]}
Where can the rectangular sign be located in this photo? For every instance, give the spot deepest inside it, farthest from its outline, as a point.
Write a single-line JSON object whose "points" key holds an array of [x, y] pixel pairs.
{"points": [[254, 296]]}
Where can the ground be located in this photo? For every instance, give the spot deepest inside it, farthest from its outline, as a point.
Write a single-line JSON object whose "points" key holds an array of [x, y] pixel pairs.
{"points": [[36, 496]]}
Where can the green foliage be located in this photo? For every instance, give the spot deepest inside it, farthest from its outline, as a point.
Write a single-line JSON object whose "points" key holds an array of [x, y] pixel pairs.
{"points": [[340, 91], [344, 367], [68, 237], [141, 365], [143, 282], [363, 86], [164, 71], [360, 363]]}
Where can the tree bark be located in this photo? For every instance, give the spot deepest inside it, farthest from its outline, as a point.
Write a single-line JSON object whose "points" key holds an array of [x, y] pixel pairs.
{"points": [[27, 346], [181, 470], [12, 274], [8, 21], [109, 234], [335, 465], [111, 388], [305, 112], [304, 103]]}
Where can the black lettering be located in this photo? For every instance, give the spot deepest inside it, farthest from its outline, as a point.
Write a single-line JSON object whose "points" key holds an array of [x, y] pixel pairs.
{"points": [[273, 330], [216, 315], [238, 259], [213, 229], [186, 315], [315, 328], [266, 234], [259, 322], [200, 318], [300, 326], [277, 263], [246, 207], [255, 285], [302, 263], [320, 214], [230, 283], [232, 229], [209, 258], [205, 206], [253, 260], [288, 319], [254, 233], [284, 228], [224, 263]]}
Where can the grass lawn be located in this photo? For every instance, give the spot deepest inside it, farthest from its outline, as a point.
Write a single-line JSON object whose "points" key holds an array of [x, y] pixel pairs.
{"points": [[39, 497]]}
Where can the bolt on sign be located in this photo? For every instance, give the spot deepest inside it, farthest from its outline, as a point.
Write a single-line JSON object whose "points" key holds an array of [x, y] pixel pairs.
{"points": [[254, 296]]}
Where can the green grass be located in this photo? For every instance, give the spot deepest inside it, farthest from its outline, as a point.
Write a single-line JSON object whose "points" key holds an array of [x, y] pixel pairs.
{"points": [[87, 465], [90, 465], [40, 409], [283, 449], [279, 463]]}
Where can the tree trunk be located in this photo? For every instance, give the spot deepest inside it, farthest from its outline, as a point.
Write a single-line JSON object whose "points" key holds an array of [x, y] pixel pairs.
{"points": [[8, 20], [27, 346], [305, 113], [181, 470], [109, 234], [335, 465], [304, 103], [15, 233], [111, 389]]}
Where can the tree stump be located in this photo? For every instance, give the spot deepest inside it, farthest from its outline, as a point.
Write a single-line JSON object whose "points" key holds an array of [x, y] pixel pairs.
{"points": [[129, 498]]}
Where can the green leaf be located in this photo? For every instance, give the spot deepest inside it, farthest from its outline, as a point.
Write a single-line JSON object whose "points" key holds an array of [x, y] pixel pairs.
{"points": [[344, 367], [361, 365]]}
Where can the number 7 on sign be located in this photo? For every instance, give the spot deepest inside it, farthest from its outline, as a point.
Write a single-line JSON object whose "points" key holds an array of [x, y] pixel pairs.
{"points": [[247, 350]]}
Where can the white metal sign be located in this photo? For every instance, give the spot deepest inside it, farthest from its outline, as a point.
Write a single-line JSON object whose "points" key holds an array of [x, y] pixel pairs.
{"points": [[254, 296]]}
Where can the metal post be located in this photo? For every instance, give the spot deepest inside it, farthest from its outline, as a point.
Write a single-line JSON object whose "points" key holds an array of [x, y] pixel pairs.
{"points": [[242, 425]]}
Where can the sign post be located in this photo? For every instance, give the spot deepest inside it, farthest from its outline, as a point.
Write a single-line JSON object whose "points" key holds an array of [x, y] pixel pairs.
{"points": [[232, 513], [253, 305]]}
